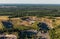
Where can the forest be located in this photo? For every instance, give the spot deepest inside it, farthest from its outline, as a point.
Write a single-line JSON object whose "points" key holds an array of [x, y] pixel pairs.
{"points": [[30, 10]]}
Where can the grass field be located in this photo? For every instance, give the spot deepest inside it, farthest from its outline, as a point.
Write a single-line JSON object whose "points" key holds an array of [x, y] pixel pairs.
{"points": [[1, 26]]}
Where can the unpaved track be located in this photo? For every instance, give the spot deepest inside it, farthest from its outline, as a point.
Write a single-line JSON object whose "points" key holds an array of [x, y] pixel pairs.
{"points": [[44, 35]]}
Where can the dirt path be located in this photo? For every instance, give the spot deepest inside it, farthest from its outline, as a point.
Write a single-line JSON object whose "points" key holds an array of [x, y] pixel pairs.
{"points": [[43, 35]]}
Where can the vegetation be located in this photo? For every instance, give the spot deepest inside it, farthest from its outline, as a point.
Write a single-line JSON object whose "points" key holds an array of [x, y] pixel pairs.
{"points": [[31, 10], [1, 26], [34, 25], [55, 33], [22, 27]]}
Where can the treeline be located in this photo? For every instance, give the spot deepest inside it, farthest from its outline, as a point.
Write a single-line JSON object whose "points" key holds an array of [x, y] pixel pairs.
{"points": [[30, 11]]}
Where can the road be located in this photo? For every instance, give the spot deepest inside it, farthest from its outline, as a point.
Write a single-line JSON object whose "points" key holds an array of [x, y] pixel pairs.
{"points": [[8, 36], [43, 35]]}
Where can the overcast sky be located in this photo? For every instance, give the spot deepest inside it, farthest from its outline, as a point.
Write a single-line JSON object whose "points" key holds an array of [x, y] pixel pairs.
{"points": [[31, 1]]}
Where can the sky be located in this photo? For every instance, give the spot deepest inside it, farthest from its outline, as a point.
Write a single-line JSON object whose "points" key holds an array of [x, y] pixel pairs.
{"points": [[29, 1]]}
